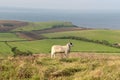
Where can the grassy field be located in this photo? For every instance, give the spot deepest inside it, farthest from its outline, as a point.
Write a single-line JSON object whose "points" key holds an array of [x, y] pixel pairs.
{"points": [[4, 49], [44, 46], [42, 25], [77, 67], [9, 37], [110, 35]]}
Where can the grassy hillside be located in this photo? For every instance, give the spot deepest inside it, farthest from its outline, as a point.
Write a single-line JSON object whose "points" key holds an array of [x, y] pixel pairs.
{"points": [[83, 63], [43, 25], [110, 35], [8, 25], [77, 67], [44, 46]]}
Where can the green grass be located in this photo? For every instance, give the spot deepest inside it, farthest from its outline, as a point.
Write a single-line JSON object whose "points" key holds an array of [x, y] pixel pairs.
{"points": [[9, 37], [44, 46], [4, 49], [110, 35], [42, 25]]}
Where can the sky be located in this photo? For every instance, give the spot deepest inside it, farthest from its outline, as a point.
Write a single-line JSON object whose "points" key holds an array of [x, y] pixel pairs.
{"points": [[64, 4]]}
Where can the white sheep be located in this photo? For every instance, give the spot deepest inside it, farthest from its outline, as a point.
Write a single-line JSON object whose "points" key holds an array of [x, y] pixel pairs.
{"points": [[61, 49], [117, 44]]}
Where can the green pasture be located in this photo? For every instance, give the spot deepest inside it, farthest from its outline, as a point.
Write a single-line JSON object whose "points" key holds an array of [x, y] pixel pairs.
{"points": [[44, 46], [110, 35], [4, 49], [42, 25], [9, 37]]}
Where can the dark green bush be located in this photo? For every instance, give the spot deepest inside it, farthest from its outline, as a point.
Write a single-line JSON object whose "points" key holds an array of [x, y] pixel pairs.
{"points": [[17, 52]]}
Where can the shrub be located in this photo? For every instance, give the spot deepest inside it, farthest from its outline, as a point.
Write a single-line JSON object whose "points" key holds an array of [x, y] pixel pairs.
{"points": [[17, 52]]}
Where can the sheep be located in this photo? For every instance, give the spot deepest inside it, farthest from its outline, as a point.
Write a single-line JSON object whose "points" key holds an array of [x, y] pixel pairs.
{"points": [[117, 44], [61, 49]]}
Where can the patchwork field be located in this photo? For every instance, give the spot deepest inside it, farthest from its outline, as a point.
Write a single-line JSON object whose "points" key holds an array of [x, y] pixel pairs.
{"points": [[37, 37], [44, 46], [109, 35]]}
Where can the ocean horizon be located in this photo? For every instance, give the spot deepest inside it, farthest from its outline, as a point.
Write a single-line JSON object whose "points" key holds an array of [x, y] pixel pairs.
{"points": [[88, 20]]}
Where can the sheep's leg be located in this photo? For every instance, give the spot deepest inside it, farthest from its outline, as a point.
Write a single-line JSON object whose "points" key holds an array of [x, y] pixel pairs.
{"points": [[52, 55], [66, 55]]}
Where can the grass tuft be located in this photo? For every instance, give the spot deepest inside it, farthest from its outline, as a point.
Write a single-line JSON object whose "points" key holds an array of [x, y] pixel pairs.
{"points": [[68, 60]]}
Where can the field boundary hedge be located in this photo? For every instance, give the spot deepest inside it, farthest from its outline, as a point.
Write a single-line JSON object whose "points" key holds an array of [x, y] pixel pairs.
{"points": [[103, 42]]}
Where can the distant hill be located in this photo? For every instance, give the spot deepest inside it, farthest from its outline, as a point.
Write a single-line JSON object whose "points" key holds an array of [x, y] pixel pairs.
{"points": [[32, 30], [8, 25]]}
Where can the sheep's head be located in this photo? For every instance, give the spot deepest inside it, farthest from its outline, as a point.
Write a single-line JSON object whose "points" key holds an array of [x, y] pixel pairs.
{"points": [[70, 44]]}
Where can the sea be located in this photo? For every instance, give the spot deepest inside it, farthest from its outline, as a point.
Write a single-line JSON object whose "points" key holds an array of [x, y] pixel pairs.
{"points": [[98, 20]]}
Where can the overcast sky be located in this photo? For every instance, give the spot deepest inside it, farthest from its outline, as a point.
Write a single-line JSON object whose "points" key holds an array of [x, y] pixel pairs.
{"points": [[64, 4]]}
